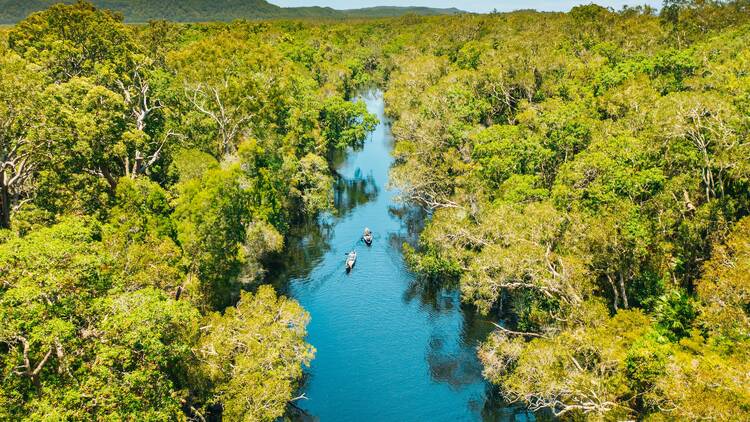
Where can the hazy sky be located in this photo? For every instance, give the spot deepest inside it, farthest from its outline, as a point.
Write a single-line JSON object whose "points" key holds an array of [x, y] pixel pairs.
{"points": [[468, 5]]}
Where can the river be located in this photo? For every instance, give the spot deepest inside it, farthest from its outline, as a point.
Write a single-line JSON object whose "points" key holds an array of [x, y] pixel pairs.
{"points": [[389, 348]]}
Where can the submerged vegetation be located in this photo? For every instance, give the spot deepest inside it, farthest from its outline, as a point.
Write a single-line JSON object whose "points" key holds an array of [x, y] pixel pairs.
{"points": [[588, 176]]}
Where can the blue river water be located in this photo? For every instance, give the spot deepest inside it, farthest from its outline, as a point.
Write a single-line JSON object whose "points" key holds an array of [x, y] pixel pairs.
{"points": [[389, 347]]}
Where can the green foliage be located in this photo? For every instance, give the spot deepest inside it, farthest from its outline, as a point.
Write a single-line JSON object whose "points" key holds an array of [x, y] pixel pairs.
{"points": [[646, 362], [503, 151], [211, 215], [75, 40], [600, 163], [189, 164], [431, 265], [145, 339], [251, 380], [141, 237], [615, 169], [20, 149], [312, 184], [587, 176], [76, 348], [147, 175], [56, 280], [674, 313], [469, 55], [579, 371], [725, 287], [520, 188], [701, 383], [346, 123]]}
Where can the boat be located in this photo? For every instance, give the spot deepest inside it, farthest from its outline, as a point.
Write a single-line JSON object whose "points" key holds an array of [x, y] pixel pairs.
{"points": [[350, 260], [367, 237]]}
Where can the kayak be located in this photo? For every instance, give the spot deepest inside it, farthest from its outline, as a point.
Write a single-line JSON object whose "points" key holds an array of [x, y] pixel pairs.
{"points": [[351, 259]]}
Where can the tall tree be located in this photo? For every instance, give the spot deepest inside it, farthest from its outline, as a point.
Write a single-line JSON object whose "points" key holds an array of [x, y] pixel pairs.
{"points": [[21, 151], [252, 381], [76, 40]]}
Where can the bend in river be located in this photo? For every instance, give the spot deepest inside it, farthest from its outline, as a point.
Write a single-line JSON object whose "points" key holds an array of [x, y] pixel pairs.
{"points": [[389, 348]]}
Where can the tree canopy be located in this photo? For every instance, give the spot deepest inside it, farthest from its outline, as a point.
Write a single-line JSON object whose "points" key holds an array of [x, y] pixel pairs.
{"points": [[143, 190], [589, 190], [587, 177]]}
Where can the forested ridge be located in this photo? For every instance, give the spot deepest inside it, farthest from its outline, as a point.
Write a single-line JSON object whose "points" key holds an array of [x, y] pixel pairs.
{"points": [[12, 11], [587, 177]]}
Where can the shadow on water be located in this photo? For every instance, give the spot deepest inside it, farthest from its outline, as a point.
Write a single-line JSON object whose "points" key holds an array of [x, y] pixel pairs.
{"points": [[348, 194], [309, 241], [413, 220], [305, 246]]}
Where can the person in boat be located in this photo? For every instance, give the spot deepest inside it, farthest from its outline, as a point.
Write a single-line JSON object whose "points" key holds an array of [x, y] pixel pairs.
{"points": [[367, 237], [350, 260]]}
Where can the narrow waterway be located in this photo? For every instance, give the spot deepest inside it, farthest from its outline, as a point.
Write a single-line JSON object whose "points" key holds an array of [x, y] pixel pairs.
{"points": [[389, 348]]}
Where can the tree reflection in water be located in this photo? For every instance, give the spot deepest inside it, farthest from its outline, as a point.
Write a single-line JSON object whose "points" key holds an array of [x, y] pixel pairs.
{"points": [[453, 364], [308, 241]]}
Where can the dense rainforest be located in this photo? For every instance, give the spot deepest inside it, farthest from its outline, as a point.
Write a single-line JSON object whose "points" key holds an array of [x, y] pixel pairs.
{"points": [[146, 173], [586, 174]]}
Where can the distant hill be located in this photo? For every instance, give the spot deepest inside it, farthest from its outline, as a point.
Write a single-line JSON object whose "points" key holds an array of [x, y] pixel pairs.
{"points": [[12, 11]]}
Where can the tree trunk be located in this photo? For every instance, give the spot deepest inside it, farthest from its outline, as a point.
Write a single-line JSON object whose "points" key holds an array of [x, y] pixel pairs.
{"points": [[614, 291], [4, 202], [622, 291], [109, 178]]}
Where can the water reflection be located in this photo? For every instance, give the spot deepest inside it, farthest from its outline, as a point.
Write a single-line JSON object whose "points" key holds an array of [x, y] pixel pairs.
{"points": [[308, 241], [351, 193], [453, 366], [305, 245], [496, 409], [412, 218], [430, 295]]}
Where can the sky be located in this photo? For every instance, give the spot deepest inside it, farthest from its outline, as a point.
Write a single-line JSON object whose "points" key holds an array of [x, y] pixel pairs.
{"points": [[468, 5]]}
